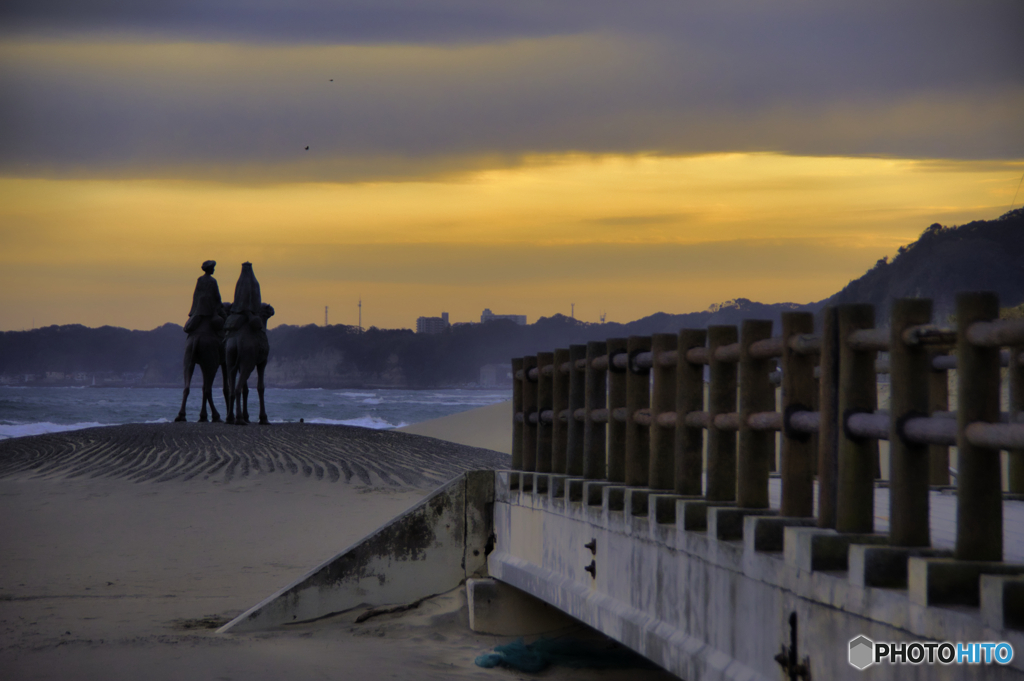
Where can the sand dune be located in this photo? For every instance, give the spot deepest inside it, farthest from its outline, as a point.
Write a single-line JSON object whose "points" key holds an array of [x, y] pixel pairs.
{"points": [[121, 546]]}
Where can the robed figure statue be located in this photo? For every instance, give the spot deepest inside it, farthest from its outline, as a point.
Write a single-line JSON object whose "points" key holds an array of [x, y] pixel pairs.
{"points": [[204, 345], [246, 346]]}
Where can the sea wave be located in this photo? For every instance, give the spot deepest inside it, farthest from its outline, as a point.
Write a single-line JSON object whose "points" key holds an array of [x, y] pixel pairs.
{"points": [[26, 429]]}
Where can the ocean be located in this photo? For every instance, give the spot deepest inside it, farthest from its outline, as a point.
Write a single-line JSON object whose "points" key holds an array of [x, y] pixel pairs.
{"points": [[33, 411]]}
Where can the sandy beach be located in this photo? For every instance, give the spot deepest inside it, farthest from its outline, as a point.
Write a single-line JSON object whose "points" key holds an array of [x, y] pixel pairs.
{"points": [[124, 547]]}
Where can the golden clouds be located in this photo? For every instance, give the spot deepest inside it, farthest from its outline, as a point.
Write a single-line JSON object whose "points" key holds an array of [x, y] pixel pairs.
{"points": [[626, 235]]}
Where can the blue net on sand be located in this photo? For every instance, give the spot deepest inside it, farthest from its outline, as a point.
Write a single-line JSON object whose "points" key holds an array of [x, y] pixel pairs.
{"points": [[566, 652]]}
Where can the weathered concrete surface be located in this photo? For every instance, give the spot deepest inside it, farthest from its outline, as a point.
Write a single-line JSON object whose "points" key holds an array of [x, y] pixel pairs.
{"points": [[706, 608], [503, 610], [429, 549]]}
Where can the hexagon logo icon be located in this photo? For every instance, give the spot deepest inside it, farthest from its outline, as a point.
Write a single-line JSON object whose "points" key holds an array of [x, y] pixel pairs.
{"points": [[862, 652]]}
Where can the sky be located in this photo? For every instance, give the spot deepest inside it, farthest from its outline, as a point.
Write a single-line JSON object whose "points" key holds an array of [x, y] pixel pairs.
{"points": [[531, 157]]}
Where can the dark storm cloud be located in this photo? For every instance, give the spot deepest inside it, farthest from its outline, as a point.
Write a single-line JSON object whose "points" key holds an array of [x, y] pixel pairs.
{"points": [[239, 89]]}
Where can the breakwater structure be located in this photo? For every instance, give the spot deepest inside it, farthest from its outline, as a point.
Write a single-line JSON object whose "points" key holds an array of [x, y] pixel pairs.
{"points": [[643, 499]]}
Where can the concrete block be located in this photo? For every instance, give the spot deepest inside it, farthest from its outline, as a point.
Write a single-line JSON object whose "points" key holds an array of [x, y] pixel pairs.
{"points": [[419, 553], [1002, 602], [574, 490], [479, 520], [945, 581], [662, 507], [503, 485], [592, 495], [503, 610], [692, 515], [885, 566], [813, 549], [613, 498], [636, 502], [764, 533], [726, 523], [556, 490]]}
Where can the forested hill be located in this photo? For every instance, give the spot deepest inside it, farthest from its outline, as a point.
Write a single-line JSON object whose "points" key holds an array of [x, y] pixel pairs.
{"points": [[985, 255], [981, 255]]}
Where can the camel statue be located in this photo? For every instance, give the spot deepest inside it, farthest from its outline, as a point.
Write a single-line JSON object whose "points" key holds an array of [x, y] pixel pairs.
{"points": [[246, 347], [204, 345], [205, 348]]}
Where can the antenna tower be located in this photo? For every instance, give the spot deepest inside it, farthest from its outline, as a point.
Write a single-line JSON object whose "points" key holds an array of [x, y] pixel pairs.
{"points": [[572, 310], [360, 314], [325, 315], [603, 315]]}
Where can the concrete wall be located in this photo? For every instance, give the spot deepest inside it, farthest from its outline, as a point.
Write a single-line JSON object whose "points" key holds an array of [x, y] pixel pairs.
{"points": [[707, 608], [429, 549]]}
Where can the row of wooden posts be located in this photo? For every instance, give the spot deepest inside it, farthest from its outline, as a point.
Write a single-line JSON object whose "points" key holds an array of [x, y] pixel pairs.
{"points": [[632, 411]]}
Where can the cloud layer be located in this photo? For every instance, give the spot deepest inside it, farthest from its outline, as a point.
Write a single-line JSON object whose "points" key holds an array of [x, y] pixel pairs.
{"points": [[391, 90]]}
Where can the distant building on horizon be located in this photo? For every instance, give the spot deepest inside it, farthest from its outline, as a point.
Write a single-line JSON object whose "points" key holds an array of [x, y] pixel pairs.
{"points": [[432, 324], [487, 316]]}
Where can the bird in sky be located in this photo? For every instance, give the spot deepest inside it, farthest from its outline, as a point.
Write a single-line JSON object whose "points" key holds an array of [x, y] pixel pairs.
{"points": [[307, 147]]}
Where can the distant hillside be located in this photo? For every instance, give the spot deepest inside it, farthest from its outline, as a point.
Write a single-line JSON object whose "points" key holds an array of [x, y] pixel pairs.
{"points": [[985, 255], [982, 255]]}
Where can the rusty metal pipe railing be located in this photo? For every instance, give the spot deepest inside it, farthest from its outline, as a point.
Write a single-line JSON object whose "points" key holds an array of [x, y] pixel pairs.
{"points": [[594, 431]]}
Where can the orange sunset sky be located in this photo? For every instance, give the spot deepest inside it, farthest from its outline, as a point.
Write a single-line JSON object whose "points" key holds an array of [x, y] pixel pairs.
{"points": [[521, 156]]}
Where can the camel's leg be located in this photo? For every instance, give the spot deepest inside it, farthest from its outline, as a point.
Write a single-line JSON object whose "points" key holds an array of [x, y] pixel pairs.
{"points": [[227, 389], [230, 371], [259, 388], [245, 395], [208, 375], [190, 367]]}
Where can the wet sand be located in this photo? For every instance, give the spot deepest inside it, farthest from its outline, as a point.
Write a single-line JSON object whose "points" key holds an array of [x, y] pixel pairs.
{"points": [[119, 559]]}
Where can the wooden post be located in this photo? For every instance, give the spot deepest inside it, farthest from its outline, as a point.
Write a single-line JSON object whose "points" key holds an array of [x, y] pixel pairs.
{"points": [[979, 508], [689, 441], [829, 426], [938, 400], [908, 461], [545, 402], [857, 456], [721, 478], [799, 451], [517, 411], [529, 410], [757, 394], [595, 434], [577, 401], [616, 400], [1016, 456], [638, 396], [560, 406], [663, 399]]}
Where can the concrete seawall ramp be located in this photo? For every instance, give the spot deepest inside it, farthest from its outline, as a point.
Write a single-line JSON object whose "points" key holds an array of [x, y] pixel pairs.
{"points": [[428, 550]]}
